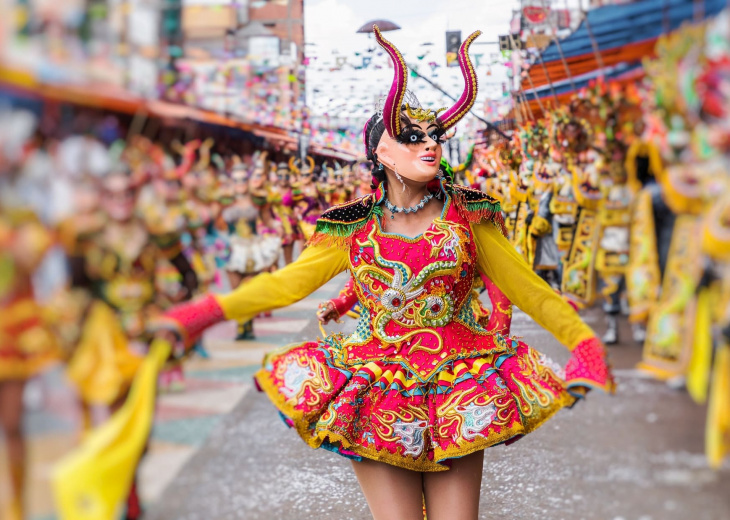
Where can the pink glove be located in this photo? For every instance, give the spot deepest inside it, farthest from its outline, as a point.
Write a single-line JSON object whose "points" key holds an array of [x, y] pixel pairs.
{"points": [[346, 299], [588, 368], [189, 320]]}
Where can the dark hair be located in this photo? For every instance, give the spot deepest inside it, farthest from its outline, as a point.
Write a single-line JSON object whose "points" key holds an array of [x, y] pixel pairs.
{"points": [[373, 132]]}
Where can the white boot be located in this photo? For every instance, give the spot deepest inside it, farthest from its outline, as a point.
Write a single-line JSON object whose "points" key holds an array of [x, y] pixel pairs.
{"points": [[611, 335], [639, 332]]}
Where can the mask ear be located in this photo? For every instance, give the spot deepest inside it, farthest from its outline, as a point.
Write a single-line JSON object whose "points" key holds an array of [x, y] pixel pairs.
{"points": [[383, 151]]}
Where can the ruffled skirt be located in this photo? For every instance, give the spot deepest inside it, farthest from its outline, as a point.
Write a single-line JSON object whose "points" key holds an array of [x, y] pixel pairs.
{"points": [[382, 411], [27, 344], [254, 254]]}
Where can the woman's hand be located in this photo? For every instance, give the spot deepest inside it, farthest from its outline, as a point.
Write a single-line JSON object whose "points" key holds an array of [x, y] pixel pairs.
{"points": [[327, 312], [588, 368]]}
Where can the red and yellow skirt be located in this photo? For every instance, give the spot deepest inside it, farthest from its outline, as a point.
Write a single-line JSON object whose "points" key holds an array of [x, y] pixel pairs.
{"points": [[27, 345], [383, 411]]}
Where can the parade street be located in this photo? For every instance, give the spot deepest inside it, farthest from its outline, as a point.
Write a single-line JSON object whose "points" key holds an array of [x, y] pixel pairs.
{"points": [[529, 200], [637, 455]]}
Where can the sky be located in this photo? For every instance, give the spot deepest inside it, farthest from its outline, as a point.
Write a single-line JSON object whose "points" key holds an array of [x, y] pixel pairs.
{"points": [[330, 31]]}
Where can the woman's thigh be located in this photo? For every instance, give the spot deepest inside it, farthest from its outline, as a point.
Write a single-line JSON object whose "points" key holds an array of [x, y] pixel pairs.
{"points": [[454, 494], [11, 405], [392, 493]]}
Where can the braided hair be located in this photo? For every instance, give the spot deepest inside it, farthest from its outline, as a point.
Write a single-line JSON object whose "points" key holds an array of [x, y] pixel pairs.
{"points": [[373, 131]]}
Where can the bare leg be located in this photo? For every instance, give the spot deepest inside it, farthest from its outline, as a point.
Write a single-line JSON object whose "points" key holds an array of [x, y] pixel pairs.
{"points": [[288, 253], [234, 278], [454, 494], [11, 417], [392, 493], [245, 329], [87, 422]]}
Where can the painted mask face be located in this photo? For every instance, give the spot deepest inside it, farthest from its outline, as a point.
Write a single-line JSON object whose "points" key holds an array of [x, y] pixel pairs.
{"points": [[173, 190], [206, 187], [587, 181], [537, 144], [257, 180], [521, 180], [687, 180], [416, 152], [190, 181], [306, 177], [119, 197], [544, 174], [86, 197], [283, 178], [239, 181]]}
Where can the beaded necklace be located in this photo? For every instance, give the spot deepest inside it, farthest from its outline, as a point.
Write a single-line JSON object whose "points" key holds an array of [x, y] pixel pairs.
{"points": [[413, 209]]}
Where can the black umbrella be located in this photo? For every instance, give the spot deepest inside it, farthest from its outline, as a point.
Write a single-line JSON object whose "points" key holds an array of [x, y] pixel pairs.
{"points": [[383, 25]]}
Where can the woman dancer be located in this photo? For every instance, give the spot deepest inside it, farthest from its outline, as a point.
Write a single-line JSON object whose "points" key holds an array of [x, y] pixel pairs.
{"points": [[420, 389], [284, 213], [250, 254], [27, 344]]}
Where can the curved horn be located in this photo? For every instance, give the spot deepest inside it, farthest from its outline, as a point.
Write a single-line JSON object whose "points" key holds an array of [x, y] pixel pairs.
{"points": [[466, 101], [392, 106], [204, 152], [311, 163], [177, 147], [188, 157], [293, 165]]}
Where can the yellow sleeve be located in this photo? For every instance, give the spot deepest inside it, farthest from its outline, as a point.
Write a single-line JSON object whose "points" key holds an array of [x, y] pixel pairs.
{"points": [[314, 267], [498, 259]]}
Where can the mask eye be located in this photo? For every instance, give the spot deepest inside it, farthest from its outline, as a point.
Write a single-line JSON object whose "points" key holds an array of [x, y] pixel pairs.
{"points": [[437, 136], [411, 136]]}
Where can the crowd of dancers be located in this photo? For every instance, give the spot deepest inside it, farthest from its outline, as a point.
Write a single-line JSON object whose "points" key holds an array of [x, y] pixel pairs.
{"points": [[622, 195], [97, 238]]}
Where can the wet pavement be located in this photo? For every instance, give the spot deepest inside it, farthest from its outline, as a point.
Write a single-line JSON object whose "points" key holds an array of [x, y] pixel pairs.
{"points": [[636, 455]]}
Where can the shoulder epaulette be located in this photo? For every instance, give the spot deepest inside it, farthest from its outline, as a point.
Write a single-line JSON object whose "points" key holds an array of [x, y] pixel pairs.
{"points": [[340, 222], [476, 206]]}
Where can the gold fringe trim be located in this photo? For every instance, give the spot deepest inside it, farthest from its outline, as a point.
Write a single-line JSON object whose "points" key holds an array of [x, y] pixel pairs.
{"points": [[476, 212], [315, 439]]}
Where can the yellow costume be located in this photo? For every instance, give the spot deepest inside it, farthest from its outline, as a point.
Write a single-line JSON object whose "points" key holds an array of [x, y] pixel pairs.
{"points": [[27, 344], [579, 276], [670, 329], [120, 270], [496, 258], [708, 380]]}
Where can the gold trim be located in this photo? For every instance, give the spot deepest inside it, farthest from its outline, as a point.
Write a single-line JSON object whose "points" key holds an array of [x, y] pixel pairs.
{"points": [[314, 440]]}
